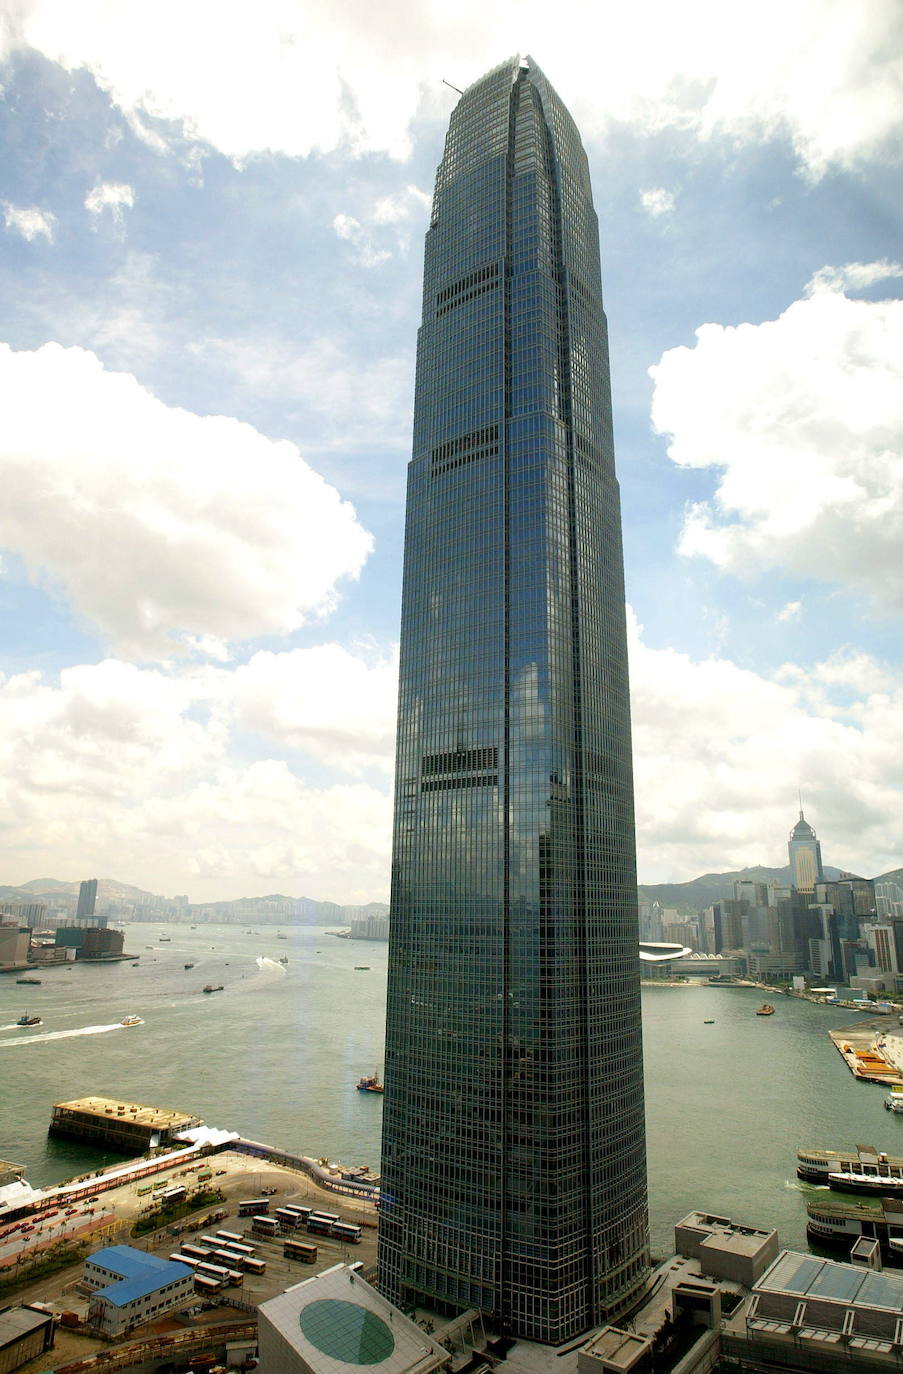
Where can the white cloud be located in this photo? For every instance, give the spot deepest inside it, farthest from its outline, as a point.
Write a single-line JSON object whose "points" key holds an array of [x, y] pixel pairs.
{"points": [[802, 417], [406, 204], [657, 201], [825, 73], [324, 701], [30, 222], [366, 400], [719, 752], [854, 276], [789, 611], [157, 523], [135, 770], [114, 196], [352, 231]]}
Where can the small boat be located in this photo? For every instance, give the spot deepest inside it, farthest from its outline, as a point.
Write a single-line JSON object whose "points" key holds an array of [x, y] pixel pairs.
{"points": [[370, 1084], [131, 1021], [283, 959], [28, 980], [362, 968], [710, 1022], [27, 1020], [189, 965], [766, 1009], [165, 940], [210, 988], [894, 1100]]}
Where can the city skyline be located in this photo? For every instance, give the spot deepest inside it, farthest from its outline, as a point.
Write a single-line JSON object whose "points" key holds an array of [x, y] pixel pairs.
{"points": [[209, 258], [513, 1150]]}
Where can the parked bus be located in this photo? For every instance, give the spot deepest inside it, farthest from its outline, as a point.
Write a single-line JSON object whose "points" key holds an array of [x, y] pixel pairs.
{"points": [[346, 1230], [253, 1266], [200, 1252], [236, 1278], [204, 1284], [321, 1225], [264, 1226], [238, 1249], [254, 1208], [177, 1194], [303, 1212], [204, 1174], [299, 1250], [230, 1236], [212, 1241], [185, 1259], [144, 1189], [287, 1216], [213, 1271]]}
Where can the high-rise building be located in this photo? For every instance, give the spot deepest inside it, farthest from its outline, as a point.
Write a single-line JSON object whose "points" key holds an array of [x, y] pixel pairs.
{"points": [[87, 897], [805, 856], [513, 1162]]}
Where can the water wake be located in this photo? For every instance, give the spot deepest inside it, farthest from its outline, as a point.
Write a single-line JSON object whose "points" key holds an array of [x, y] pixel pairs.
{"points": [[269, 965], [17, 1044]]}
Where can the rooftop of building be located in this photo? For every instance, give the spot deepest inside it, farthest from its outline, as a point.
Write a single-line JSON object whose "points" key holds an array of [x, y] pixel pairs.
{"points": [[336, 1320], [16, 1322], [140, 1273], [723, 1227], [160, 1118]]}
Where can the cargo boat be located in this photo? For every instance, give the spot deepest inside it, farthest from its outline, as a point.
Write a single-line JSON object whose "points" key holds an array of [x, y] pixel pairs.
{"points": [[27, 1020], [370, 1084], [848, 1169]]}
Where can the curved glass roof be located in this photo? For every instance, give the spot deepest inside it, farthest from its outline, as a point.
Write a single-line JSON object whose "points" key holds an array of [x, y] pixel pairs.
{"points": [[346, 1331]]}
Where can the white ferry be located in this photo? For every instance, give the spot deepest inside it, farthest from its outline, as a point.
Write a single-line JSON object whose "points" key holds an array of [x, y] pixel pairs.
{"points": [[817, 1166]]}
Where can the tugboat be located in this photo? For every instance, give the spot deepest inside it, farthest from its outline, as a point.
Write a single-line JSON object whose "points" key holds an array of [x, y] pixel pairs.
{"points": [[208, 987], [27, 1020], [766, 1009], [370, 1084]]}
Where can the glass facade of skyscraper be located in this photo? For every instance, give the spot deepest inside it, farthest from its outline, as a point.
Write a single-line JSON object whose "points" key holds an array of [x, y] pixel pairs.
{"points": [[513, 1165]]}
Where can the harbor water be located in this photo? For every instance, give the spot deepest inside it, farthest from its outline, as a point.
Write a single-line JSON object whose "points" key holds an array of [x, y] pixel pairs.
{"points": [[276, 1056]]}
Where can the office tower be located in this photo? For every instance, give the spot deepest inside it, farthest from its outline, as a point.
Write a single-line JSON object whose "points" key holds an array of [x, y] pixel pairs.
{"points": [[805, 856], [513, 1162], [87, 896]]}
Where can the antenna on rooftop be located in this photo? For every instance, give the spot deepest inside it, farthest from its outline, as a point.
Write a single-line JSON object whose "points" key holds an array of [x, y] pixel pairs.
{"points": [[450, 86]]}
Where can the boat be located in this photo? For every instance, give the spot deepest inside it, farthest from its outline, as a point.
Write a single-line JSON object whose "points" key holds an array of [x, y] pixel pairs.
{"points": [[189, 965], [766, 1009], [362, 968], [280, 936], [28, 980], [815, 1166], [837, 1224], [165, 940], [283, 958], [894, 1100], [709, 1022], [131, 1021], [27, 1020], [370, 1084], [208, 987]]}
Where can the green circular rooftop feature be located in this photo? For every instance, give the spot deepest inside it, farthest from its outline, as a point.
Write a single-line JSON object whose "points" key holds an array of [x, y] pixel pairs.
{"points": [[346, 1331]]}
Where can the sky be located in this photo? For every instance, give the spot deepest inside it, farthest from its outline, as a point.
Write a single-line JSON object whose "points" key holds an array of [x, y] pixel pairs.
{"points": [[211, 235]]}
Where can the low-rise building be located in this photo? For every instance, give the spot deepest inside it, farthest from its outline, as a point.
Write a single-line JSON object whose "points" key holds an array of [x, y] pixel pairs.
{"points": [[724, 1249], [25, 1333], [131, 1127], [131, 1287]]}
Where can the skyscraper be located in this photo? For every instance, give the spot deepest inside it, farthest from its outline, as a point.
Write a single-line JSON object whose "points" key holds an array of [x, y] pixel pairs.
{"points": [[805, 856], [513, 1159], [87, 897]]}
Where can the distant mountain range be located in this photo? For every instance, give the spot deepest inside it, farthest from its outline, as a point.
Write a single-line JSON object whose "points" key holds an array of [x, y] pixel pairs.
{"points": [[691, 896]]}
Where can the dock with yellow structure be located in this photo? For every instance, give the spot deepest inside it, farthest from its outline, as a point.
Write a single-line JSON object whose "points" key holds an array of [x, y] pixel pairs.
{"points": [[862, 1049]]}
